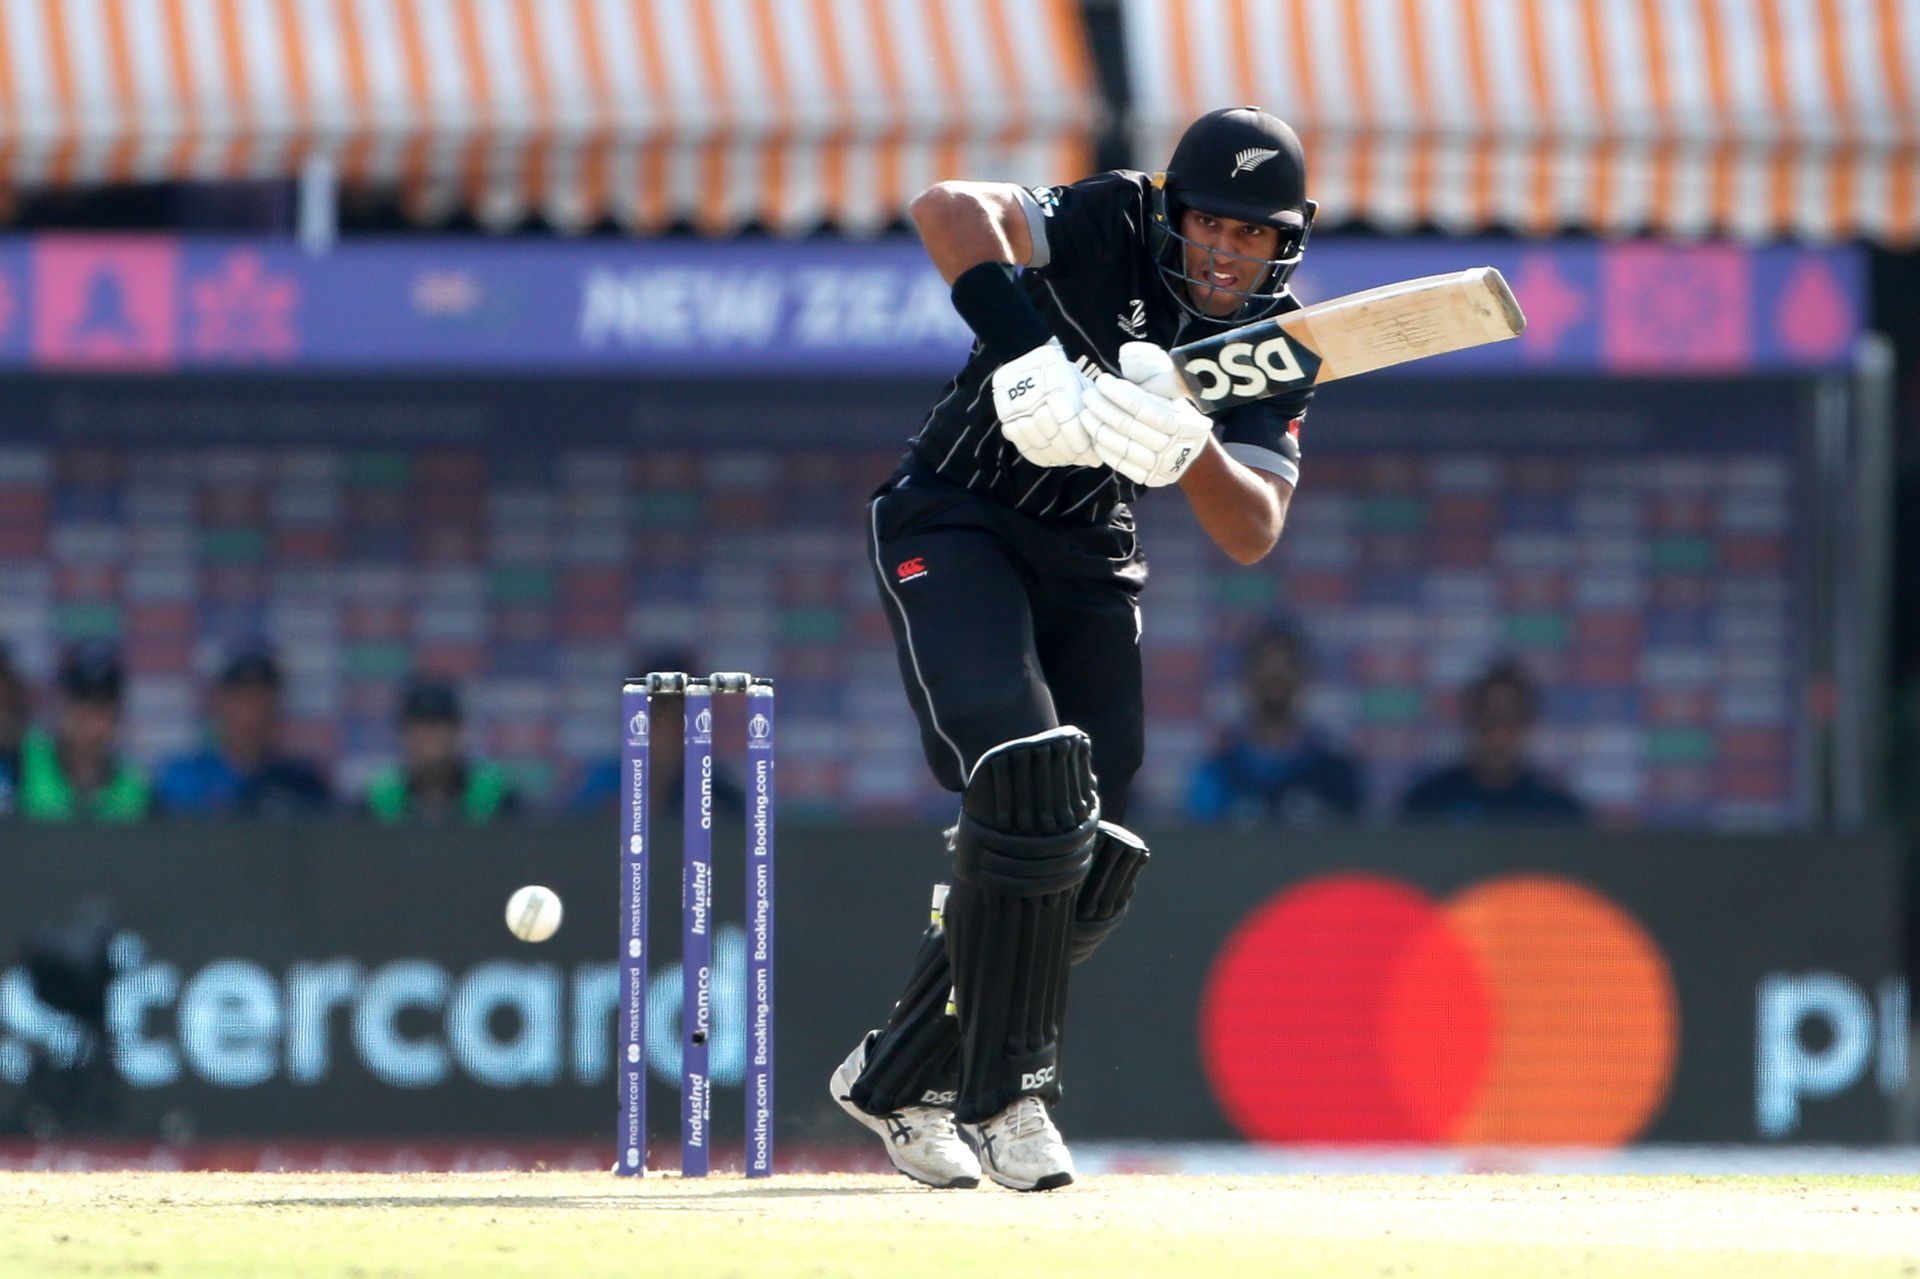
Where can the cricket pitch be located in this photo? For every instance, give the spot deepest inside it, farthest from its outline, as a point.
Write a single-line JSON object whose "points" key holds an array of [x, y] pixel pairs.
{"points": [[556, 1225]]}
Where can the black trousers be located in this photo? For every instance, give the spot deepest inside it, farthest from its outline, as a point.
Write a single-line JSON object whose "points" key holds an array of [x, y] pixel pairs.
{"points": [[1006, 626]]}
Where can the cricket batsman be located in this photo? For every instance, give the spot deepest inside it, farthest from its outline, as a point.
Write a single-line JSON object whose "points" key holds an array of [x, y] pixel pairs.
{"points": [[1005, 552]]}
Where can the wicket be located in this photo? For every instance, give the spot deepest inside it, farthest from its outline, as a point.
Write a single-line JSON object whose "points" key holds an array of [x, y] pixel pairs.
{"points": [[696, 919]]}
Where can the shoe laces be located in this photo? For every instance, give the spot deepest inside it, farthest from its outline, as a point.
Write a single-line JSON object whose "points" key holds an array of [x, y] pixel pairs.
{"points": [[928, 1121], [1027, 1117]]}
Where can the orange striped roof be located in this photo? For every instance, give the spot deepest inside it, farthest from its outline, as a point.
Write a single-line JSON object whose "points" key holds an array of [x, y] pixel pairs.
{"points": [[1750, 118], [789, 113]]}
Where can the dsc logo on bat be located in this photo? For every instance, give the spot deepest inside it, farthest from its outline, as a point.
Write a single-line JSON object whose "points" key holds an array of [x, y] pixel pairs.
{"points": [[1246, 369]]}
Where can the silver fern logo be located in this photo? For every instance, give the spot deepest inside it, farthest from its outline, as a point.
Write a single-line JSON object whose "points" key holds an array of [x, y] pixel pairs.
{"points": [[1252, 158]]}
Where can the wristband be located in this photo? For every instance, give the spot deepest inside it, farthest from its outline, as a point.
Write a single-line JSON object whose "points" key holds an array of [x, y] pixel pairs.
{"points": [[999, 311]]}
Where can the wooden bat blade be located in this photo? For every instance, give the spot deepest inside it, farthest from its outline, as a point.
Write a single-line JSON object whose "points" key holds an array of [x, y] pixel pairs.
{"points": [[1344, 336], [1411, 320]]}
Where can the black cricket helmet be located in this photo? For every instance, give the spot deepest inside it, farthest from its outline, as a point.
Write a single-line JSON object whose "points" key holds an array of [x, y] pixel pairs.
{"points": [[1241, 163]]}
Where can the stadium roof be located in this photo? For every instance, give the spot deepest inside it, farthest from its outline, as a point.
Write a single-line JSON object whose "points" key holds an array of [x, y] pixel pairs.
{"points": [[1752, 118], [789, 113]]}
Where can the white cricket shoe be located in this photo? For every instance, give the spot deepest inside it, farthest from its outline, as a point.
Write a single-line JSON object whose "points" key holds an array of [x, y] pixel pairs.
{"points": [[1021, 1149], [921, 1140]]}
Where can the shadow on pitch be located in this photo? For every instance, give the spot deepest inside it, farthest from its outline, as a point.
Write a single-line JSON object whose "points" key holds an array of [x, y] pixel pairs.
{"points": [[677, 1200]]}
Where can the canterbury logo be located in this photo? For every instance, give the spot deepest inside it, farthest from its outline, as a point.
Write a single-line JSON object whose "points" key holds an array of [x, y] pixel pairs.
{"points": [[910, 569], [1252, 158]]}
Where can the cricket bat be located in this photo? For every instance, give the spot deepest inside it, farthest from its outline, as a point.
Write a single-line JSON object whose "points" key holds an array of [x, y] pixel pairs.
{"points": [[1343, 336]]}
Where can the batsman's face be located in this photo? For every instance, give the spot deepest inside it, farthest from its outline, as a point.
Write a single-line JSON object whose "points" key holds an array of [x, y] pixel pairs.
{"points": [[1226, 259]]}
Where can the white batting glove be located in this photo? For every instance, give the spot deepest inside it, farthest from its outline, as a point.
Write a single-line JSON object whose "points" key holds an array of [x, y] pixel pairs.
{"points": [[1148, 437], [1037, 397], [1150, 367]]}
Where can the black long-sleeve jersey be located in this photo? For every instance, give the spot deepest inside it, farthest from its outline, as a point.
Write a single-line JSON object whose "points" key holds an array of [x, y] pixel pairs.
{"points": [[1094, 279]]}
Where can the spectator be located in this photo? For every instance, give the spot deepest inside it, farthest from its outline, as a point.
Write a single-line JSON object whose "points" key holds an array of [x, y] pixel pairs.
{"points": [[435, 780], [1494, 782], [241, 770], [15, 711], [599, 788], [1276, 766], [75, 772]]}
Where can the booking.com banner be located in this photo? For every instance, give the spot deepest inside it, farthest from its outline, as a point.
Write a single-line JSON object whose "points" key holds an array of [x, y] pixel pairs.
{"points": [[1452, 988], [686, 308]]}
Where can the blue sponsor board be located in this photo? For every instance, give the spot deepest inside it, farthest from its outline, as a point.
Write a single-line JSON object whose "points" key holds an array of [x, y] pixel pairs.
{"points": [[1686, 988], [687, 308]]}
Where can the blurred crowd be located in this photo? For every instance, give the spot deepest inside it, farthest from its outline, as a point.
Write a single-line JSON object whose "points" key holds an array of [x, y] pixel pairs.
{"points": [[61, 758], [65, 763], [1276, 764]]}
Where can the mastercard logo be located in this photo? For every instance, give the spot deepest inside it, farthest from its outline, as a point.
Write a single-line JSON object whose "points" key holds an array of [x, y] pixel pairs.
{"points": [[1527, 1009]]}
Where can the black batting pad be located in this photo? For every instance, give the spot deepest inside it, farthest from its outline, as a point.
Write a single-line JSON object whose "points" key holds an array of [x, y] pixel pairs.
{"points": [[1028, 823], [1119, 856], [915, 1061]]}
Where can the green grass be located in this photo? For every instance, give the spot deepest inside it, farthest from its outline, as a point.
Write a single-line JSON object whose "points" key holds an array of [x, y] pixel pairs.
{"points": [[570, 1225]]}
